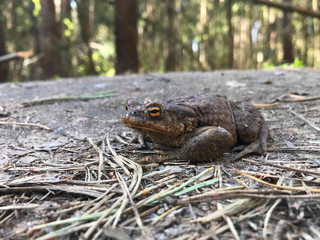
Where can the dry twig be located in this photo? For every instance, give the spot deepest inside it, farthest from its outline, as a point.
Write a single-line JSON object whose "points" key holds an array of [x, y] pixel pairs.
{"points": [[25, 125], [282, 167], [312, 124]]}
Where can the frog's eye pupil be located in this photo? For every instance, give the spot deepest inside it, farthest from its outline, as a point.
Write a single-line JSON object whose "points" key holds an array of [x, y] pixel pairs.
{"points": [[154, 112]]}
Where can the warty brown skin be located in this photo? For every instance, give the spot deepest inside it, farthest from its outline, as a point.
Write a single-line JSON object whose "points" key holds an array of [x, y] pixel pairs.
{"points": [[201, 128]]}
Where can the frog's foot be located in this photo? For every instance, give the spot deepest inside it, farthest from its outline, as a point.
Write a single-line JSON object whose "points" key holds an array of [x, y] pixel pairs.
{"points": [[259, 145], [140, 138]]}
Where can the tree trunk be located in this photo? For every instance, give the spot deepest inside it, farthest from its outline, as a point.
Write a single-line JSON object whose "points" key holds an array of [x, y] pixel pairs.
{"points": [[170, 64], [285, 6], [126, 36], [49, 40], [287, 44], [3, 65], [86, 19], [230, 33], [65, 38], [316, 25]]}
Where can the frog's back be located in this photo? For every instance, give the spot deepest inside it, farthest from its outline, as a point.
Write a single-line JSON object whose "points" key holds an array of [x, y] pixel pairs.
{"points": [[212, 110]]}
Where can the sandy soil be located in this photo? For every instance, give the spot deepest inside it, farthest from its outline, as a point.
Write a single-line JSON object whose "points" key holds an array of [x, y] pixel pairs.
{"points": [[46, 174]]}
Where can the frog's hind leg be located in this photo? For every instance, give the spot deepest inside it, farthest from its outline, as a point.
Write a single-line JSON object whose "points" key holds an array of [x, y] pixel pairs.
{"points": [[205, 144], [251, 129], [259, 145]]}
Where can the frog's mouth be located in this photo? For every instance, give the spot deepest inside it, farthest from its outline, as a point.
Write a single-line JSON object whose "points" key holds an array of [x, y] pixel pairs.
{"points": [[144, 128]]}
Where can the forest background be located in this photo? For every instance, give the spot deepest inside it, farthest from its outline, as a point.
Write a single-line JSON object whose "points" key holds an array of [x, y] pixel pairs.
{"points": [[45, 39]]}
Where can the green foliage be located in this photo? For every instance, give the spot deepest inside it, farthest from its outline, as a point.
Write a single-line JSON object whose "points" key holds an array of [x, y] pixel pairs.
{"points": [[268, 65], [69, 27], [298, 63], [81, 69], [37, 7]]}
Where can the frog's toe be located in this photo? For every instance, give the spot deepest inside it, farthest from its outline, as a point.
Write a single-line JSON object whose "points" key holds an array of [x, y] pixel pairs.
{"points": [[254, 147]]}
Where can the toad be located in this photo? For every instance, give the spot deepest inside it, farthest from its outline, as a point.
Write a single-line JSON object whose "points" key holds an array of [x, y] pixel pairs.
{"points": [[200, 128]]}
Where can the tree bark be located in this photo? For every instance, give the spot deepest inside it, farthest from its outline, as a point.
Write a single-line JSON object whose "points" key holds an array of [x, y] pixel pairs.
{"points": [[230, 32], [289, 8], [3, 65], [86, 19], [170, 64], [287, 44], [49, 41], [126, 36], [316, 26], [65, 39]]}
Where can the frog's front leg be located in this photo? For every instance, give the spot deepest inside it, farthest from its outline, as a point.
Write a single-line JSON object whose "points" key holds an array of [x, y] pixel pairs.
{"points": [[205, 144]]}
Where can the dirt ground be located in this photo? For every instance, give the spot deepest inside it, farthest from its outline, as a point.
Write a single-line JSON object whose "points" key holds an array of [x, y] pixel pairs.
{"points": [[51, 169]]}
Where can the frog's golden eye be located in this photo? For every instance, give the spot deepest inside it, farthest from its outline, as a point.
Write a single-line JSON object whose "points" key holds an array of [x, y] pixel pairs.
{"points": [[153, 111]]}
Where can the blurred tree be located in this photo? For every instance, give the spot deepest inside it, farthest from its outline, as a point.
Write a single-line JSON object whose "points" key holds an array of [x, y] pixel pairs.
{"points": [[230, 33], [3, 51], [126, 36], [86, 20], [287, 32], [66, 37], [51, 64], [85, 37], [170, 64], [316, 26]]}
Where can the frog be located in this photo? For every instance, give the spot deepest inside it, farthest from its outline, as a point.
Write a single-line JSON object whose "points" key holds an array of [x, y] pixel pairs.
{"points": [[200, 128]]}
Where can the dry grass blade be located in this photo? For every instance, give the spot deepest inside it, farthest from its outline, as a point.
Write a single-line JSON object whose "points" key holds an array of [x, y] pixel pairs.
{"points": [[266, 105], [7, 218], [101, 200], [117, 158], [135, 183], [230, 224], [123, 204], [64, 231], [299, 189], [193, 179], [25, 125], [20, 206], [101, 152], [77, 189], [135, 210], [163, 215], [218, 230], [296, 149], [290, 97], [234, 208], [282, 167], [267, 218], [221, 194], [137, 173], [68, 98], [101, 215], [312, 124], [66, 221], [47, 169]]}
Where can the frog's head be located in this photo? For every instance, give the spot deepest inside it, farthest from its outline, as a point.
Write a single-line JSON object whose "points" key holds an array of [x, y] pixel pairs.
{"points": [[156, 119]]}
